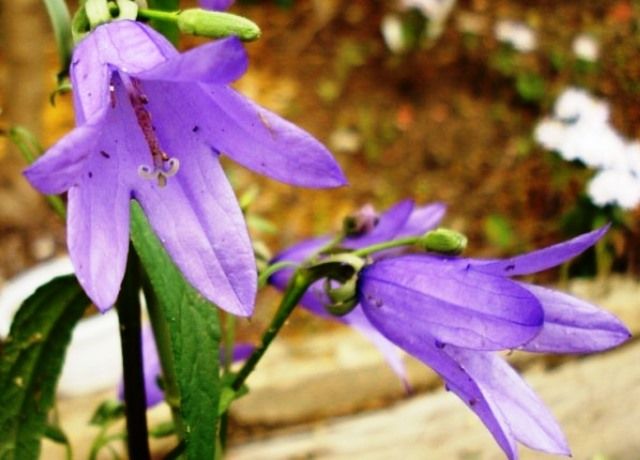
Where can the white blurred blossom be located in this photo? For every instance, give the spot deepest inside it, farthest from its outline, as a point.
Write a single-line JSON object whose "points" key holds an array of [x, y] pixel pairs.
{"points": [[577, 105], [615, 187], [517, 34], [586, 47], [580, 130], [393, 33]]}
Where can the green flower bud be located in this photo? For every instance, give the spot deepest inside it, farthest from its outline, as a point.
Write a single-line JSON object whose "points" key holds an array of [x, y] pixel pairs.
{"points": [[444, 241], [215, 24]]}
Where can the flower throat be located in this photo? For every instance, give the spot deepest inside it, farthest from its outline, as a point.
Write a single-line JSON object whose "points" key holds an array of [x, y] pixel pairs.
{"points": [[163, 166]]}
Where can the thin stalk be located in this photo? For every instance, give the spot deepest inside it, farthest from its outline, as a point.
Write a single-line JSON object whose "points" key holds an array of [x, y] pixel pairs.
{"points": [[170, 16], [298, 285], [128, 306], [366, 251]]}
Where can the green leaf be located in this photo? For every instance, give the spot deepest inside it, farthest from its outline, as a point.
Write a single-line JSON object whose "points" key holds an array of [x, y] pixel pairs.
{"points": [[54, 433], [61, 23], [31, 361], [168, 29], [194, 335], [107, 413]]}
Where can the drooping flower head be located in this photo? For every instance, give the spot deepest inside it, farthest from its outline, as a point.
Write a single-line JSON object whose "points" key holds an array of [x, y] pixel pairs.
{"points": [[403, 219], [152, 124], [455, 313]]}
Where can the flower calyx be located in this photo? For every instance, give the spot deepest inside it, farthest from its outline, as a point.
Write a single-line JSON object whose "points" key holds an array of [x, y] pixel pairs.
{"points": [[340, 274]]}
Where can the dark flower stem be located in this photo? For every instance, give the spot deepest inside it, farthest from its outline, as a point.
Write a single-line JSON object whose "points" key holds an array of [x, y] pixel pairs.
{"points": [[298, 285], [128, 307]]}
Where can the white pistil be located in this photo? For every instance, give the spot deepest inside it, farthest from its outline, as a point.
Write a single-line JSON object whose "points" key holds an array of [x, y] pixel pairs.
{"points": [[160, 173]]}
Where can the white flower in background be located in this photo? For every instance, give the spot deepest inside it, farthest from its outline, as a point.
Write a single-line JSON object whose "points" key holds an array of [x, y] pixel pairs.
{"points": [[393, 33], [580, 130], [616, 187], [517, 34], [577, 105], [586, 47]]}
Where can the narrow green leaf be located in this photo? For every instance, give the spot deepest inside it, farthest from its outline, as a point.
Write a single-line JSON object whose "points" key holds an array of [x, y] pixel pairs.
{"points": [[55, 434], [31, 361], [194, 333], [107, 413], [61, 23]]}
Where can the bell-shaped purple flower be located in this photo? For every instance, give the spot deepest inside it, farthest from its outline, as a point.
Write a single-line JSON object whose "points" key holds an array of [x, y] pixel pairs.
{"points": [[452, 313], [403, 219], [152, 124]]}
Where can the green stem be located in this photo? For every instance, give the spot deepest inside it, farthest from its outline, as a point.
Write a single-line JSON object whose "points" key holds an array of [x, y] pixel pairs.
{"points": [[229, 341], [407, 241], [128, 306], [298, 285], [163, 344], [167, 16]]}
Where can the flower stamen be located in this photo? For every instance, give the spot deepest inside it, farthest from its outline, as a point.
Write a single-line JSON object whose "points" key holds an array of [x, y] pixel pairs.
{"points": [[163, 165], [160, 173]]}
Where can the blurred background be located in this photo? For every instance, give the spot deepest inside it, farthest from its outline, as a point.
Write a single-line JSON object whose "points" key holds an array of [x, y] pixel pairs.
{"points": [[438, 100]]}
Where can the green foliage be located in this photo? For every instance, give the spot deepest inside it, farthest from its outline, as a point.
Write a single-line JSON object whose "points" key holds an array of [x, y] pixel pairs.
{"points": [[61, 24], [30, 364], [530, 87], [168, 29], [194, 337], [499, 232]]}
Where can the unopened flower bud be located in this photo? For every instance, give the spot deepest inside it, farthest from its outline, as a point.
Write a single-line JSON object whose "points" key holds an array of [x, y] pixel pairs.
{"points": [[444, 241], [362, 222], [215, 24]]}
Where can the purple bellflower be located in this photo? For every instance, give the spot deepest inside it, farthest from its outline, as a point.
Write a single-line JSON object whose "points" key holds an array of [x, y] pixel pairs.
{"points": [[455, 313], [403, 219], [152, 370], [152, 124]]}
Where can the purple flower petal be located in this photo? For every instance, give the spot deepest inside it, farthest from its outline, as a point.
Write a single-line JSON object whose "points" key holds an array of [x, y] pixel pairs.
{"points": [[296, 253], [389, 351], [216, 5], [197, 217], [126, 45], [219, 62], [428, 350], [518, 410], [264, 142], [98, 220], [572, 325], [423, 219], [389, 225], [457, 306], [541, 259], [63, 164]]}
